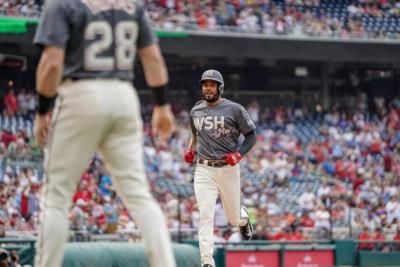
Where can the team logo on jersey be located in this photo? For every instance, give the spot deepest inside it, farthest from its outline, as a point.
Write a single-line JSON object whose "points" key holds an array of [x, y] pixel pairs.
{"points": [[209, 122], [212, 123]]}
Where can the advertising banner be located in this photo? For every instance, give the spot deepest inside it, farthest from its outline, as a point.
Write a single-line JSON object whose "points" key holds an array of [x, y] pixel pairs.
{"points": [[307, 258], [252, 259]]}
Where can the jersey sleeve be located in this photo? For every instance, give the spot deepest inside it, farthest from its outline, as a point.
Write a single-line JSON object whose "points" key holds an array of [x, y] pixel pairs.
{"points": [[244, 121], [53, 27], [146, 36], [192, 126]]}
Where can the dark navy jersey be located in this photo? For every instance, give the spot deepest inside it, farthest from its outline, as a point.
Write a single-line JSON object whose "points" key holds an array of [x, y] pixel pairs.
{"points": [[219, 127], [100, 37]]}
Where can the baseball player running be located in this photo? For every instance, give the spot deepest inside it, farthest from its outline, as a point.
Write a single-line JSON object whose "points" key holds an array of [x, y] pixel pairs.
{"points": [[89, 47], [216, 125]]}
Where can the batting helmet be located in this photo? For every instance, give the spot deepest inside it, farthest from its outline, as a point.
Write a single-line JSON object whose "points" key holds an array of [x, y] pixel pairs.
{"points": [[214, 75]]}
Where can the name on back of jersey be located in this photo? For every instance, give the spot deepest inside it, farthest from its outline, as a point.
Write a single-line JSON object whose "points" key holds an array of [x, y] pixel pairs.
{"points": [[97, 6]]}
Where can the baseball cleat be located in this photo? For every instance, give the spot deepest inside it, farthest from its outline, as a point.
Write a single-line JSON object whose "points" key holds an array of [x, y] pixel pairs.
{"points": [[246, 230]]}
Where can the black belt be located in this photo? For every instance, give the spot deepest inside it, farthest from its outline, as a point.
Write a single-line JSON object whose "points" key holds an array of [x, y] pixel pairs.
{"points": [[212, 163]]}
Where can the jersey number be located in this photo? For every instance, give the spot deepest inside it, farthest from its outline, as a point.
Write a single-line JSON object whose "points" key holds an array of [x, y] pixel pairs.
{"points": [[125, 35]]}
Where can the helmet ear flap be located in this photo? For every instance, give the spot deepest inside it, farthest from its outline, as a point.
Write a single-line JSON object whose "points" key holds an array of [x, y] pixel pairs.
{"points": [[221, 89]]}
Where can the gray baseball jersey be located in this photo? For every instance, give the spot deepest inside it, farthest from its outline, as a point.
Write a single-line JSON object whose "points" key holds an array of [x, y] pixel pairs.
{"points": [[100, 38], [218, 128]]}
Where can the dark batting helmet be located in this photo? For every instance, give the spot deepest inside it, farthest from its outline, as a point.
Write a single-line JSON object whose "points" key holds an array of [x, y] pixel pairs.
{"points": [[214, 75]]}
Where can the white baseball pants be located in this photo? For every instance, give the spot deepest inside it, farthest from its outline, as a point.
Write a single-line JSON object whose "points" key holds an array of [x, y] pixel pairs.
{"points": [[89, 115], [209, 182]]}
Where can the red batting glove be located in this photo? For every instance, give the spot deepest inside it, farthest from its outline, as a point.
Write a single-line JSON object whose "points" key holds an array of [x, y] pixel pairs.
{"points": [[189, 156], [233, 158]]}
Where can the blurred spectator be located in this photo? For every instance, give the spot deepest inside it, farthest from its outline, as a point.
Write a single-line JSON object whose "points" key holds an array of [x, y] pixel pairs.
{"points": [[14, 259], [218, 236], [378, 236], [82, 192], [111, 211], [307, 200], [254, 111], [105, 186], [306, 221], [78, 216], [393, 208], [365, 235], [259, 233], [397, 238], [220, 219], [11, 102], [322, 218], [7, 137], [2, 229], [4, 258], [235, 236]]}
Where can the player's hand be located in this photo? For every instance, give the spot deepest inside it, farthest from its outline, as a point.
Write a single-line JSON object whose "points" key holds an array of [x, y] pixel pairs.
{"points": [[189, 156], [42, 125], [163, 122], [233, 158]]}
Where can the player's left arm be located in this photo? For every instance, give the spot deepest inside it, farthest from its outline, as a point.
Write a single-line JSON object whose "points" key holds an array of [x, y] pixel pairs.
{"points": [[48, 77], [49, 71], [52, 35], [249, 141], [246, 127], [156, 75]]}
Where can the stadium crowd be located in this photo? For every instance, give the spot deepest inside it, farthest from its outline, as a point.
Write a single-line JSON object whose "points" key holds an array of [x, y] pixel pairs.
{"points": [[342, 19], [311, 171]]}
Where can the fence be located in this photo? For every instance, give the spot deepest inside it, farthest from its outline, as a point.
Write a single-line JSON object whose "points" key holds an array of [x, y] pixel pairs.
{"points": [[177, 235], [316, 253]]}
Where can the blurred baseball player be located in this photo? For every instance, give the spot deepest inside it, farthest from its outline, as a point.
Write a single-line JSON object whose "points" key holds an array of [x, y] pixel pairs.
{"points": [[216, 125], [87, 59]]}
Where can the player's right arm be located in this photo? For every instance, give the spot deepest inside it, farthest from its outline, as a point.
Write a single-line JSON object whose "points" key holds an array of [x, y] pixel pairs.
{"points": [[193, 138], [192, 143], [190, 153]]}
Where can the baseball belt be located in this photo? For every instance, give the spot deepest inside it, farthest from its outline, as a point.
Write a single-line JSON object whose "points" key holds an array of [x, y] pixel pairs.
{"points": [[212, 163]]}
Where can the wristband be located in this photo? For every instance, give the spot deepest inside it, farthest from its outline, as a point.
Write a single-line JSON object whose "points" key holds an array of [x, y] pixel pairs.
{"points": [[160, 94], [45, 103]]}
